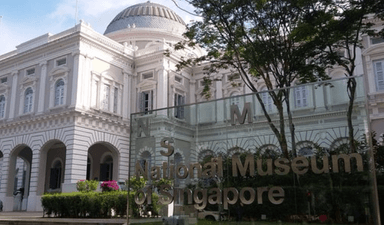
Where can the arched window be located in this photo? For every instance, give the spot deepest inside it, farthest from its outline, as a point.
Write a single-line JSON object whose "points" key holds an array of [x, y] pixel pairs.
{"points": [[106, 169], [28, 100], [59, 92], [305, 148], [55, 178], [267, 100], [2, 106]]}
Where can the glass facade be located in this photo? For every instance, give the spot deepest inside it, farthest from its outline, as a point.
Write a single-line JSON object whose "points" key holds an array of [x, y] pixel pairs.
{"points": [[233, 162]]}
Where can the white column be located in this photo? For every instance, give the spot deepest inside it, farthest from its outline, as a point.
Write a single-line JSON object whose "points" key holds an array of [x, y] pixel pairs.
{"points": [[6, 192], [192, 91], [43, 78], [34, 199], [127, 95], [133, 94], [13, 95], [162, 89], [75, 75], [77, 84]]}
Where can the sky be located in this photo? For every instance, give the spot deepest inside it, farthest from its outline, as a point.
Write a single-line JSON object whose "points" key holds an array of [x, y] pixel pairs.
{"points": [[23, 20]]}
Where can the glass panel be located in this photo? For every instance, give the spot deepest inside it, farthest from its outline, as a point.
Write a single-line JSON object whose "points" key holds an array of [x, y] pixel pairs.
{"points": [[227, 162]]}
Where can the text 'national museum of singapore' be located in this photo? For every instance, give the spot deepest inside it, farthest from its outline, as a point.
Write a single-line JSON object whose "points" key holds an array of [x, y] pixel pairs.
{"points": [[79, 105]]}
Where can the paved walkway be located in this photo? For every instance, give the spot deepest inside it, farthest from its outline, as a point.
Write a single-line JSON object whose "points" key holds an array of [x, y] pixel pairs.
{"points": [[36, 218]]}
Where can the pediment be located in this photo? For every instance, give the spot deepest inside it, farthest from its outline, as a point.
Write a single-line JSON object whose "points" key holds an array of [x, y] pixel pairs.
{"points": [[4, 87], [179, 86], [376, 49], [146, 83], [28, 79], [59, 70]]}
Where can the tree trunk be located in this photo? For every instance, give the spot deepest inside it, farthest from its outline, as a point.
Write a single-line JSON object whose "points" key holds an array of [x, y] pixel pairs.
{"points": [[290, 123], [352, 92]]}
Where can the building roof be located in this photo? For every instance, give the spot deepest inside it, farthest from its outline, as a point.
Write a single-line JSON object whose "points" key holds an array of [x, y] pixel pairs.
{"points": [[146, 15]]}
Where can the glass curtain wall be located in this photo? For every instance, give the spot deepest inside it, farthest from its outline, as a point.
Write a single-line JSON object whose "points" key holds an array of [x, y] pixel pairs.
{"points": [[228, 161]]}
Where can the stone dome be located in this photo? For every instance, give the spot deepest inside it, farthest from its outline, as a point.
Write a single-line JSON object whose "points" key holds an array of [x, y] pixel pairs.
{"points": [[146, 15]]}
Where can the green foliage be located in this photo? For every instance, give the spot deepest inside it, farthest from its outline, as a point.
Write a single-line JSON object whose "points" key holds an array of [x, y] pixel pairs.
{"points": [[137, 184], [92, 204], [87, 185], [85, 204]]}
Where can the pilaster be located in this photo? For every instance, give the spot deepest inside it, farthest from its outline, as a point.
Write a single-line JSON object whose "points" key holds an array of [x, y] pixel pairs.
{"points": [[162, 88], [126, 95], [12, 109], [43, 78]]}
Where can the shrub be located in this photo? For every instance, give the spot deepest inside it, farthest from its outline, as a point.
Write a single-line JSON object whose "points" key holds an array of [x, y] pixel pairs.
{"points": [[85, 204], [87, 185]]}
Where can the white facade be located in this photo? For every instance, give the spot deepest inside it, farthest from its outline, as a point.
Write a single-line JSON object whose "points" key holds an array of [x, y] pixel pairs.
{"points": [[66, 99]]}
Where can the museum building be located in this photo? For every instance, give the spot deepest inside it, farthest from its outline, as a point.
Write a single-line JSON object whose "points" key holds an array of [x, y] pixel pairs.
{"points": [[66, 101]]}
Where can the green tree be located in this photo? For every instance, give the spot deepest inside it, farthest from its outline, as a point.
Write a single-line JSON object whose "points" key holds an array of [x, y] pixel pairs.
{"points": [[336, 28], [256, 40]]}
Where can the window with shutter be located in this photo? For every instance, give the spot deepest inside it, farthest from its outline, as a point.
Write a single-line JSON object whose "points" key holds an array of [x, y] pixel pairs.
{"points": [[179, 101], [115, 99], [267, 100], [105, 100], [2, 106], [145, 101], [301, 97], [28, 100], [235, 100], [379, 74], [59, 92]]}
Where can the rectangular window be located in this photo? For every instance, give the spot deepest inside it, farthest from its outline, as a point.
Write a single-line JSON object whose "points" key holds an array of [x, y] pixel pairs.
{"points": [[301, 97], [61, 62], [147, 75], [146, 101], [105, 99], [233, 77], [115, 99], [4, 80], [179, 102], [31, 71], [2, 106], [377, 40], [379, 74], [178, 79], [267, 100]]}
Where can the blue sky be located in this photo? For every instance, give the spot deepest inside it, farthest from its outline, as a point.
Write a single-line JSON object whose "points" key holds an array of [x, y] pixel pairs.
{"points": [[23, 20]]}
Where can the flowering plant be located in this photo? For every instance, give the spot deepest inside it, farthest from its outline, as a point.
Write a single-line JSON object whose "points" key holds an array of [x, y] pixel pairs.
{"points": [[109, 186]]}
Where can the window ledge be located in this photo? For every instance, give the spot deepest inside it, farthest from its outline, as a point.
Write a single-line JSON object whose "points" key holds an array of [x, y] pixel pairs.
{"points": [[57, 107]]}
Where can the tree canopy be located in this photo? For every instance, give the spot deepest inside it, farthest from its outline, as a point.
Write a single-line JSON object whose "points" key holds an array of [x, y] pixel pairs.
{"points": [[278, 42]]}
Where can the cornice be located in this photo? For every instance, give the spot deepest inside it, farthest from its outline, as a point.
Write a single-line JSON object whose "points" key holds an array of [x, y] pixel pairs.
{"points": [[68, 118]]}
